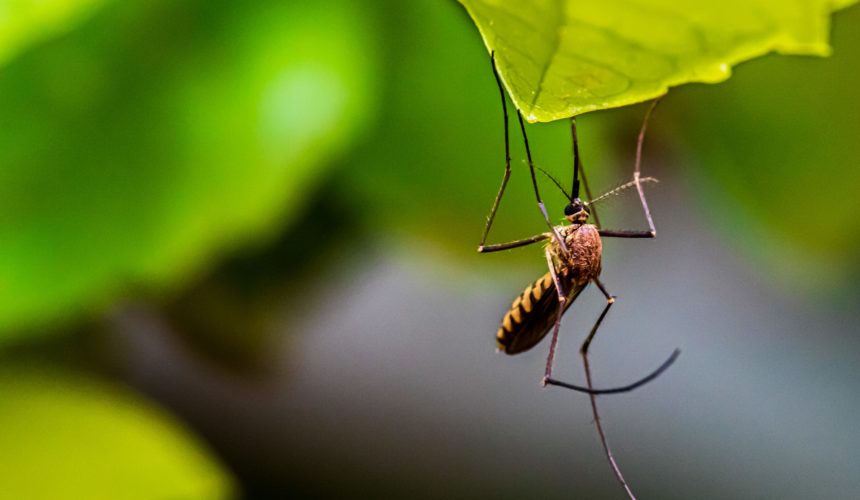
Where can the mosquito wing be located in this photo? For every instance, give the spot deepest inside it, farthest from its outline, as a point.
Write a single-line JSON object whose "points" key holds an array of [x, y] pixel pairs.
{"points": [[532, 314]]}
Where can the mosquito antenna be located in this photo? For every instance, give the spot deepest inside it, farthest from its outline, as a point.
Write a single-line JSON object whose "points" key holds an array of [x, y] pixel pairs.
{"points": [[555, 181], [619, 189]]}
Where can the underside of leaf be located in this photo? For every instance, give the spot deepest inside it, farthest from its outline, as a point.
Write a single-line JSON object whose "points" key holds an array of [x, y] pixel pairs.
{"points": [[561, 58]]}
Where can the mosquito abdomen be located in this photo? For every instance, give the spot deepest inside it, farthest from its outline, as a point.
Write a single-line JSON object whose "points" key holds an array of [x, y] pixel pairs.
{"points": [[530, 316]]}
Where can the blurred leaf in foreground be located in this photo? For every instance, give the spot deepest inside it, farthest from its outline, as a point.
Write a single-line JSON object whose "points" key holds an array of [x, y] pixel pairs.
{"points": [[560, 58], [73, 438], [25, 22], [136, 149]]}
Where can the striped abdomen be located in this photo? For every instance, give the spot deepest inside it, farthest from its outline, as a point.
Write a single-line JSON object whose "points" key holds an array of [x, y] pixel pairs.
{"points": [[532, 314]]}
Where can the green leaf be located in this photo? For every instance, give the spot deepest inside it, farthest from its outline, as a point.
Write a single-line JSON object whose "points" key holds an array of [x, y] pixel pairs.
{"points": [[135, 150], [70, 437], [776, 164], [560, 58], [26, 22]]}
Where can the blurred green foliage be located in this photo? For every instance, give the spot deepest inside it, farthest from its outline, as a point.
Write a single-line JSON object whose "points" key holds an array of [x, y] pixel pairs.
{"points": [[69, 436], [562, 58], [139, 141], [131, 159], [26, 22]]}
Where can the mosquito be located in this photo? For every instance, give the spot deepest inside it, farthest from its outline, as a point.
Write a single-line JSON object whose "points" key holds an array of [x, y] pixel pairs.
{"points": [[573, 255]]}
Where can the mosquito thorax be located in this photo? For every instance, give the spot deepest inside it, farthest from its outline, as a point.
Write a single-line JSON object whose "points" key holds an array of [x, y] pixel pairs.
{"points": [[575, 212]]}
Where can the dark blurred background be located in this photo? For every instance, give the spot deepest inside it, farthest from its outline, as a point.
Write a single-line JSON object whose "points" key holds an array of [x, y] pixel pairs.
{"points": [[237, 259]]}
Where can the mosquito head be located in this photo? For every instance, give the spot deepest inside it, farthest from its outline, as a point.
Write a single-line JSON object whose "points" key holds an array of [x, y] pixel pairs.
{"points": [[576, 212]]}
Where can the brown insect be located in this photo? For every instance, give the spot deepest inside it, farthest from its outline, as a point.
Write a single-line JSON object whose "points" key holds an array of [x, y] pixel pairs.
{"points": [[573, 254]]}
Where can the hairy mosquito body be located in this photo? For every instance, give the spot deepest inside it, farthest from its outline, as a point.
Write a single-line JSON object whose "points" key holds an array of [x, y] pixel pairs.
{"points": [[533, 312]]}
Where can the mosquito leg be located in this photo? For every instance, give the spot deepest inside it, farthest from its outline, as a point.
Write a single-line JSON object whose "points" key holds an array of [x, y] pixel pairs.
{"points": [[637, 168], [507, 175], [624, 233], [541, 206], [584, 351], [558, 287], [610, 299], [565, 302], [548, 380], [624, 388], [514, 244], [577, 162], [562, 299], [600, 431], [482, 247]]}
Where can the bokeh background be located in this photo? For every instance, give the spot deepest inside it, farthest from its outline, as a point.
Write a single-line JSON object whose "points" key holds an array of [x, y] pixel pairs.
{"points": [[237, 259]]}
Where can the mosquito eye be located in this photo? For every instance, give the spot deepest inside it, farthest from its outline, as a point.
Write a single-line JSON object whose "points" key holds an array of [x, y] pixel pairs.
{"points": [[572, 209]]}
